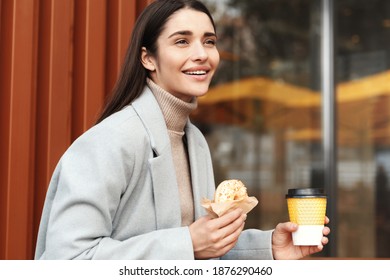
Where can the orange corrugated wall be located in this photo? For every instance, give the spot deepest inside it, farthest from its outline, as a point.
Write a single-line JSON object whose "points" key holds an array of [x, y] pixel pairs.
{"points": [[58, 61]]}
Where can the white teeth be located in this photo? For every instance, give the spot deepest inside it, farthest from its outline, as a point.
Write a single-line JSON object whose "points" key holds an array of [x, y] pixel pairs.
{"points": [[201, 72]]}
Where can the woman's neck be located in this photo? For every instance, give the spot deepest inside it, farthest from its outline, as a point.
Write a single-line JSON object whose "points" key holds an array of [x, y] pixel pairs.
{"points": [[175, 110]]}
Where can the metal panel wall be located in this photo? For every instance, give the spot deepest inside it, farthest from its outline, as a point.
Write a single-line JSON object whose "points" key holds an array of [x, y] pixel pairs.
{"points": [[58, 61]]}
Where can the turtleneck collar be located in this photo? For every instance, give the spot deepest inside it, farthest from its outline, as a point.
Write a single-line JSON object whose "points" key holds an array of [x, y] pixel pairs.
{"points": [[175, 110]]}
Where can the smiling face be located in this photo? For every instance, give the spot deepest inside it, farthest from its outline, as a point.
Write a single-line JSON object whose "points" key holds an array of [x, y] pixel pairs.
{"points": [[187, 56]]}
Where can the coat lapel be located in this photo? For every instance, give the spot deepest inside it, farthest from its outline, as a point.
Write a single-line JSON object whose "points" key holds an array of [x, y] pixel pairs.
{"points": [[165, 189], [200, 170], [166, 195]]}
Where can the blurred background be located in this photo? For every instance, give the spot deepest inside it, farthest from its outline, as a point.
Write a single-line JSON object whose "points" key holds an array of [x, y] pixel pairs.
{"points": [[265, 118]]}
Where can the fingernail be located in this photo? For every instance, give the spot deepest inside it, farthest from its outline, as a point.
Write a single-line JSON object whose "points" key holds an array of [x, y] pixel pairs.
{"points": [[294, 226]]}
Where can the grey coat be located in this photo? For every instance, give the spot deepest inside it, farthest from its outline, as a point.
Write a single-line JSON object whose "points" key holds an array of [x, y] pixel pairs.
{"points": [[114, 195]]}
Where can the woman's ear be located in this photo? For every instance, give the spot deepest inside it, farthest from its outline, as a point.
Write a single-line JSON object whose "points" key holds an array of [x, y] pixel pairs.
{"points": [[147, 60]]}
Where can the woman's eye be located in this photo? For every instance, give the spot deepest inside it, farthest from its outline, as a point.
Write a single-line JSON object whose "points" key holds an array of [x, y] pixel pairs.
{"points": [[211, 42], [181, 42]]}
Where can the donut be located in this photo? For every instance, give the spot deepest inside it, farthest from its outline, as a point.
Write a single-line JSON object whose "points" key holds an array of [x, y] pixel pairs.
{"points": [[230, 190]]}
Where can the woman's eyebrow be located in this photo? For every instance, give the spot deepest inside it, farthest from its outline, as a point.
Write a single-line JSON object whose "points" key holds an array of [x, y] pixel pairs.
{"points": [[210, 34], [188, 33], [181, 32]]}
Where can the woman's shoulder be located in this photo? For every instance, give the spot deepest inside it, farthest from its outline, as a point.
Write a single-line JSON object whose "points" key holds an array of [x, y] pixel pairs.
{"points": [[126, 116], [121, 129], [121, 124]]}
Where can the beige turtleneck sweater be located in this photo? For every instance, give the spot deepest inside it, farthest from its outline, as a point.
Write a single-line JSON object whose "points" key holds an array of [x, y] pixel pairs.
{"points": [[176, 113]]}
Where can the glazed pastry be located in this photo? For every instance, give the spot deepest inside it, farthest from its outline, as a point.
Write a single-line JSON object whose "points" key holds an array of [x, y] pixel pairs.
{"points": [[230, 190]]}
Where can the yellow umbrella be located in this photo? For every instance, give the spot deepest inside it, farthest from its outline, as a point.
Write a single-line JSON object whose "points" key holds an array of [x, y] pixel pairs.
{"points": [[260, 88]]}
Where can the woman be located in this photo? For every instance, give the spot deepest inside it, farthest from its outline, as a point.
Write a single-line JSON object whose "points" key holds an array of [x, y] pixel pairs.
{"points": [[131, 186]]}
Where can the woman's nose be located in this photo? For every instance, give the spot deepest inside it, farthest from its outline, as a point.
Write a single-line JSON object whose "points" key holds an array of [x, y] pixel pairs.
{"points": [[199, 52]]}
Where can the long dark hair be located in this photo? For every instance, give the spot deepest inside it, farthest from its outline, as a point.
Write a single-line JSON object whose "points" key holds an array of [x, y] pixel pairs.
{"points": [[147, 29]]}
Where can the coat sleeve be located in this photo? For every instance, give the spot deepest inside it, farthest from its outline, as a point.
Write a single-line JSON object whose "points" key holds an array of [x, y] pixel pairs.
{"points": [[252, 244], [82, 201]]}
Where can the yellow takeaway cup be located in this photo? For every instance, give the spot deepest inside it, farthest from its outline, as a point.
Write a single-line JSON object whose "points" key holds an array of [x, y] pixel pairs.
{"points": [[307, 208]]}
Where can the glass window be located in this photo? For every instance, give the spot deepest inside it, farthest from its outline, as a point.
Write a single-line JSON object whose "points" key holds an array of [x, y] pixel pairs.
{"points": [[262, 116], [363, 63]]}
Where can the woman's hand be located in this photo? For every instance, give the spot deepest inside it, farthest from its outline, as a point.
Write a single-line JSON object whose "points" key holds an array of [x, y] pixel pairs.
{"points": [[212, 238], [282, 244]]}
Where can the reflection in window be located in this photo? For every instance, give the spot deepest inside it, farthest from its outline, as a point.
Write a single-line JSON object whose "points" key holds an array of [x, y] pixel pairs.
{"points": [[363, 60], [262, 115]]}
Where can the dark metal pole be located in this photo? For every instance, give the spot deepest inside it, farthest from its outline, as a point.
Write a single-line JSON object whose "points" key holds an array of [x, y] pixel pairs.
{"points": [[329, 118]]}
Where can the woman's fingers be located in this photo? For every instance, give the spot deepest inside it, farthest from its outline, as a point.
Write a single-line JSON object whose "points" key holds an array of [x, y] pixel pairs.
{"points": [[230, 234], [227, 225], [215, 237], [232, 238], [326, 230], [326, 220], [227, 219], [233, 226]]}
